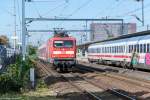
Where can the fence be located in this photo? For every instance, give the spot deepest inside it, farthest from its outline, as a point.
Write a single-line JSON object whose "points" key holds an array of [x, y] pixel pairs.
{"points": [[7, 56]]}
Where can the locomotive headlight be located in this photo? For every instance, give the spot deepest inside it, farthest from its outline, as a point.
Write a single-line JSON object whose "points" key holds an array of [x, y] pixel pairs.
{"points": [[56, 52], [69, 52]]}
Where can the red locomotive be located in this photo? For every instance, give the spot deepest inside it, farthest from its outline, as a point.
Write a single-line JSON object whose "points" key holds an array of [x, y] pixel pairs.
{"points": [[59, 51]]}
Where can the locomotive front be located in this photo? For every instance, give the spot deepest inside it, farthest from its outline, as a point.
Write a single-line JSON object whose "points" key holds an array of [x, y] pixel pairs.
{"points": [[64, 52]]}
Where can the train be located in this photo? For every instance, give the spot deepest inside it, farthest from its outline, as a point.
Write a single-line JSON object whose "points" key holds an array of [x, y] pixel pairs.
{"points": [[132, 51], [60, 51]]}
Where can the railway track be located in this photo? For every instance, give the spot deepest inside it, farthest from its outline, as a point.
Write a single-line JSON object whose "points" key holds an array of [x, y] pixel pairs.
{"points": [[139, 82], [83, 84], [127, 80], [49, 72]]}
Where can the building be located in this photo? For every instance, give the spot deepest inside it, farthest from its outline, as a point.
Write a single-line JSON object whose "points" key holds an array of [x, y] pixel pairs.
{"points": [[102, 31]]}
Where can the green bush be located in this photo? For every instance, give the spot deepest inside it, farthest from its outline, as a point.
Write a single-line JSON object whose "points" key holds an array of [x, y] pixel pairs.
{"points": [[17, 75]]}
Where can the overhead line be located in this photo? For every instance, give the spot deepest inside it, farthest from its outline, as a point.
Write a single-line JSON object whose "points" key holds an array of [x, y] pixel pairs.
{"points": [[53, 9], [132, 11], [37, 10], [80, 7]]}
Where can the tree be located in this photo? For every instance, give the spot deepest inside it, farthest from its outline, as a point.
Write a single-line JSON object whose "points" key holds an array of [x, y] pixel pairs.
{"points": [[4, 40]]}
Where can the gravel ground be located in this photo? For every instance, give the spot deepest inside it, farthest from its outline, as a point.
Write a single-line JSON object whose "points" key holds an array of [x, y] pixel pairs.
{"points": [[128, 72], [133, 89], [65, 91]]}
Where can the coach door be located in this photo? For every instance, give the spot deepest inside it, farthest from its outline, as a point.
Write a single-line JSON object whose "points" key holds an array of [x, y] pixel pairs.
{"points": [[147, 55]]}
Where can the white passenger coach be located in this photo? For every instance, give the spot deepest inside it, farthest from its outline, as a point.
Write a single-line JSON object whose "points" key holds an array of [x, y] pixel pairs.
{"points": [[128, 51]]}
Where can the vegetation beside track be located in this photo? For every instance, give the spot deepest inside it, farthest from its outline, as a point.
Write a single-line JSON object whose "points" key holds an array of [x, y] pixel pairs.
{"points": [[42, 93], [14, 82], [16, 77]]}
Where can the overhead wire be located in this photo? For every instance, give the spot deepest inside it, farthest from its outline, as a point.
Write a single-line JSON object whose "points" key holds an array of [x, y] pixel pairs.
{"points": [[6, 11], [132, 11], [76, 10], [80, 7], [53, 9], [118, 3], [63, 9], [37, 10], [109, 7]]}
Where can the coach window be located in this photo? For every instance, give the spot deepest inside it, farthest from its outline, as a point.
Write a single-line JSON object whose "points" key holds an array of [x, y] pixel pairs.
{"points": [[99, 50], [129, 48], [114, 49], [90, 50], [137, 48], [132, 47], [103, 49], [124, 49], [110, 50], [140, 48], [144, 48], [148, 48], [106, 49], [95, 50], [119, 49]]}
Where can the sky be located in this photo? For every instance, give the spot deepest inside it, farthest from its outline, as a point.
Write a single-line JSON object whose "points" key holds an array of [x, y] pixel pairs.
{"points": [[124, 9]]}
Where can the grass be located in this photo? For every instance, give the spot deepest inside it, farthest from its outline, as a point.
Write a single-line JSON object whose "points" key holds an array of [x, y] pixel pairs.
{"points": [[41, 93]]}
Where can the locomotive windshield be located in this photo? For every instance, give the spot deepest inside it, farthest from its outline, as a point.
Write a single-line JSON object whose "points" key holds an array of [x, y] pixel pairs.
{"points": [[64, 43]]}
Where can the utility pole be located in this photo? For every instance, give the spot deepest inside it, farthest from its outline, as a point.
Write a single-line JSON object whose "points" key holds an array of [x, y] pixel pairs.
{"points": [[15, 39], [143, 12], [23, 31]]}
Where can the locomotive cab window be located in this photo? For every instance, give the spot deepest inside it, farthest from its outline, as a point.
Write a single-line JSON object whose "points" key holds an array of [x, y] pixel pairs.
{"points": [[64, 43]]}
